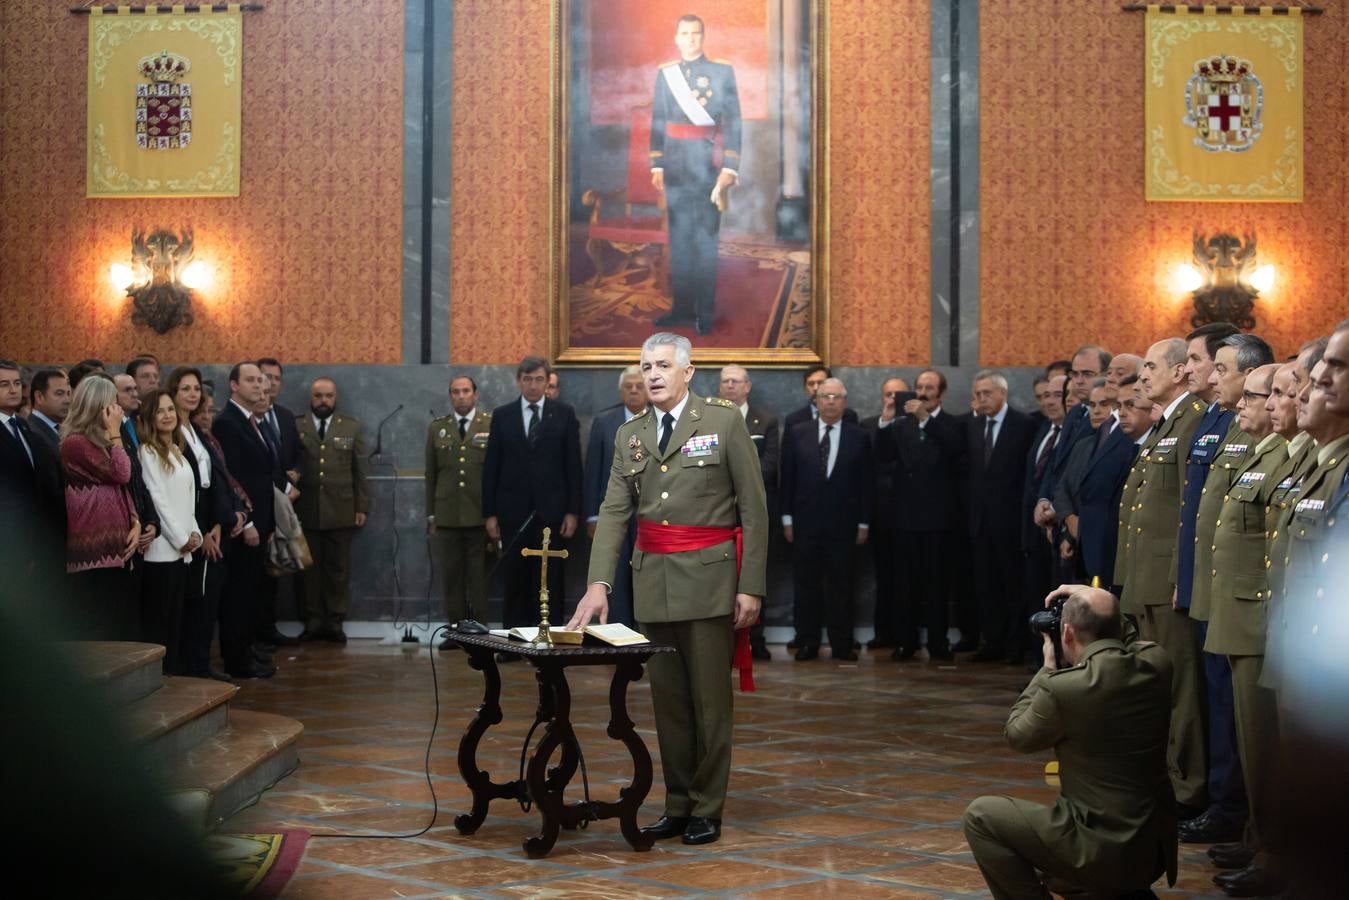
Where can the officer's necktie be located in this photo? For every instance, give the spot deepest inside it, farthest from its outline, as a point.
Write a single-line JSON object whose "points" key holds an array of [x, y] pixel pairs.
{"points": [[533, 431], [824, 449], [132, 436], [323, 429], [463, 427], [1103, 434], [18, 436], [666, 429], [988, 439]]}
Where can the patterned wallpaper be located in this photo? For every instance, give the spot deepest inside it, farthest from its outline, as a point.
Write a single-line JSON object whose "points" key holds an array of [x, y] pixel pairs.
{"points": [[1069, 250], [307, 260], [501, 182]]}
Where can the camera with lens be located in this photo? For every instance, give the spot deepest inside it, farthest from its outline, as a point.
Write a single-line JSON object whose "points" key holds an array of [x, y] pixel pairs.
{"points": [[1050, 621]]}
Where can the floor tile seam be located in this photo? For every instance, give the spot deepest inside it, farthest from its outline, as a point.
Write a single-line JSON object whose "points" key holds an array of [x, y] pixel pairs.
{"points": [[436, 889]]}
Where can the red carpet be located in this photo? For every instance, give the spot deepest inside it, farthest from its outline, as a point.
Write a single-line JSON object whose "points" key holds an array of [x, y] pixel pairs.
{"points": [[763, 299]]}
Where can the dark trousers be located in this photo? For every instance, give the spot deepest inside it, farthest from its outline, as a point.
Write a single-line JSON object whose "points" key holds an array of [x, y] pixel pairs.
{"points": [[1226, 784], [924, 558], [163, 593], [822, 572], [892, 600], [108, 604], [238, 613], [964, 591], [327, 583], [1039, 573], [264, 607], [201, 605], [520, 576], [694, 223], [461, 555], [998, 580]]}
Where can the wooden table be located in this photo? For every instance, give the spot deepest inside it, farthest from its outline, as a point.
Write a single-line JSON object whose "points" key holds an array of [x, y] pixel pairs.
{"points": [[541, 785]]}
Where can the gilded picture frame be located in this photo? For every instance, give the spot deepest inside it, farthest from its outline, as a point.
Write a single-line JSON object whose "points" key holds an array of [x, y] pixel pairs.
{"points": [[629, 256]]}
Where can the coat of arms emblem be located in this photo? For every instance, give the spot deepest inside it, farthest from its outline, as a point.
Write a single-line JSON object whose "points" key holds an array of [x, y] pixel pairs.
{"points": [[164, 106], [1223, 102]]}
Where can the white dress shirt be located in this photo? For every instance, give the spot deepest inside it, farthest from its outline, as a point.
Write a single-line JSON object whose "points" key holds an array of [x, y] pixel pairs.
{"points": [[198, 450], [173, 493], [23, 442]]}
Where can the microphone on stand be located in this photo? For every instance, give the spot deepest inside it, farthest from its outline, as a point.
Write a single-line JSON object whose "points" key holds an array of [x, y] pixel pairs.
{"points": [[379, 432]]}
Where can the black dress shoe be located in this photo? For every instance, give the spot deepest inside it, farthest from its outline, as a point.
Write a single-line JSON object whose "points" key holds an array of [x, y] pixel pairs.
{"points": [[702, 325], [252, 669], [216, 674], [965, 646], [807, 653], [665, 827], [902, 654], [880, 644], [1250, 882], [334, 635], [261, 656], [940, 654], [760, 652], [274, 636], [308, 635], [794, 644], [702, 831], [1235, 857], [673, 318], [1207, 829], [845, 656]]}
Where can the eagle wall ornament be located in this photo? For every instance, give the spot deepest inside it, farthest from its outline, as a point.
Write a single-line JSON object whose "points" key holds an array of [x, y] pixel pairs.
{"points": [[1227, 294], [160, 298]]}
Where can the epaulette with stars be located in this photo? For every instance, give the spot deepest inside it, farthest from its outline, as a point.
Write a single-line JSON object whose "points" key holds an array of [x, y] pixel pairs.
{"points": [[1198, 407], [718, 401]]}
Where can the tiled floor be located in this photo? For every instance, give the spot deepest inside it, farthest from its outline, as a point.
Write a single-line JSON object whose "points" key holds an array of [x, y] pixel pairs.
{"points": [[847, 780]]}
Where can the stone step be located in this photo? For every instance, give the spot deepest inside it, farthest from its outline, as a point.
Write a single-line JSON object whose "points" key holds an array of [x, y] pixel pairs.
{"points": [[236, 765], [125, 671], [178, 716]]}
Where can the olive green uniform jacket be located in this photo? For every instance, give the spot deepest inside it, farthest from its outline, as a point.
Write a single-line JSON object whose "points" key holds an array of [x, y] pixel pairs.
{"points": [[1106, 719], [1127, 504], [454, 470], [1222, 474], [711, 481], [332, 474], [1155, 521]]}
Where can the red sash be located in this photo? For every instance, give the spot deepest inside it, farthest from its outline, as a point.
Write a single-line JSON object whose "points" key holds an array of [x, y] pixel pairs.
{"points": [[653, 537]]}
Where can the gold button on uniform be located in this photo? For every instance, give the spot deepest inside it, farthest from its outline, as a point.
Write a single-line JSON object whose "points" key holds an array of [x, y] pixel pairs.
{"points": [[665, 495], [664, 468], [665, 521]]}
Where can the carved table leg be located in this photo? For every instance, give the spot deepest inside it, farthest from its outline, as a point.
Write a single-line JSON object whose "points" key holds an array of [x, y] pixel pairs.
{"points": [[621, 728], [546, 791], [489, 713]]}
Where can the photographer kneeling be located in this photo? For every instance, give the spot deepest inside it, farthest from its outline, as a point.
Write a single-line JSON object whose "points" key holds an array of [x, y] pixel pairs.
{"points": [[1113, 830]]}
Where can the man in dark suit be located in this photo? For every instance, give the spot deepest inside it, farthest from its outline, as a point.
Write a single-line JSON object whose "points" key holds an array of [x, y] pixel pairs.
{"points": [[827, 492], [280, 423], [531, 477], [1098, 497], [882, 538], [762, 424], [51, 403], [1036, 545], [251, 460], [998, 440], [813, 378], [599, 460], [1069, 567], [925, 446], [1088, 363]]}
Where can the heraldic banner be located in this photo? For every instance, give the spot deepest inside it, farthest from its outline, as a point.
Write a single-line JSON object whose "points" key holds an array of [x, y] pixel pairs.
{"points": [[1224, 105], [164, 103]]}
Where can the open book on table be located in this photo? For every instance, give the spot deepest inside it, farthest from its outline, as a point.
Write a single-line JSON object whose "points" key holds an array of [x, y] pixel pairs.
{"points": [[615, 633]]}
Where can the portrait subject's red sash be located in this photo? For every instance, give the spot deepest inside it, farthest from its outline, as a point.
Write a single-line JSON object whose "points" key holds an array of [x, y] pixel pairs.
{"points": [[653, 537]]}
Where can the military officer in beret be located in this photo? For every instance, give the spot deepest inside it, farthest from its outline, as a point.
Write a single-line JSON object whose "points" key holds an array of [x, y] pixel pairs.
{"points": [[1112, 831], [1150, 582], [688, 467], [333, 503], [455, 448], [695, 159]]}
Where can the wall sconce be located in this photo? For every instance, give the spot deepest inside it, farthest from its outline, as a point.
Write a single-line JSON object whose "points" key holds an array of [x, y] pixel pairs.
{"points": [[1224, 280], [161, 278]]}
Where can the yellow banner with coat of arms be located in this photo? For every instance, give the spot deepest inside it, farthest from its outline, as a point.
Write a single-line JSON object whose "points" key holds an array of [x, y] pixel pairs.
{"points": [[164, 107], [1224, 105]]}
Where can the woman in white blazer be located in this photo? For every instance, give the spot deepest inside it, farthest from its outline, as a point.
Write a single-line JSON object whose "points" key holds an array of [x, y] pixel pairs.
{"points": [[168, 478]]}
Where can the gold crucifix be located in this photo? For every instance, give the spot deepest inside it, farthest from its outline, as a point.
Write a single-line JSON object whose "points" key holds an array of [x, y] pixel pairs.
{"points": [[543, 553]]}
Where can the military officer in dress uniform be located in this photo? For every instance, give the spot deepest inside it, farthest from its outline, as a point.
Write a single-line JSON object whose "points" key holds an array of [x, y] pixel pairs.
{"points": [[1238, 597], [455, 448], [333, 503], [1139, 409], [1112, 831], [689, 468], [695, 159], [1150, 582]]}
